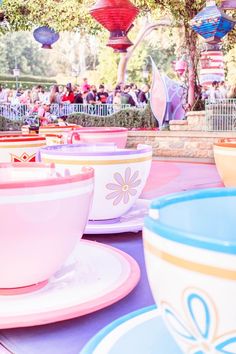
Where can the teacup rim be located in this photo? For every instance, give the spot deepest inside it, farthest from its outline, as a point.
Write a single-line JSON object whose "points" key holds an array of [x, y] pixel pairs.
{"points": [[58, 149], [15, 138], [183, 237], [86, 173]]}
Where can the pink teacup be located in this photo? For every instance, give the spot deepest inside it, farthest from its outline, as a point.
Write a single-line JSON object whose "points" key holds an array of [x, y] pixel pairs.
{"points": [[97, 135], [43, 215]]}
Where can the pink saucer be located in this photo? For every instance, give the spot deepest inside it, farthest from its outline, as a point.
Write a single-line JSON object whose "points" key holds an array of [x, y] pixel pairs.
{"points": [[95, 276]]}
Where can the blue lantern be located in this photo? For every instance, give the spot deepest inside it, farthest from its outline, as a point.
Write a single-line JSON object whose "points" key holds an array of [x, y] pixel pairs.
{"points": [[46, 36], [212, 23]]}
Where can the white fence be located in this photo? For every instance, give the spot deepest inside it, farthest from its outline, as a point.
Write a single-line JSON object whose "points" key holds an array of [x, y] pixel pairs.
{"points": [[221, 115], [17, 112]]}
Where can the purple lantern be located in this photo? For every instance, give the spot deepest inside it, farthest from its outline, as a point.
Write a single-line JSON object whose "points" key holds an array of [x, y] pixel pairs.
{"points": [[46, 36]]}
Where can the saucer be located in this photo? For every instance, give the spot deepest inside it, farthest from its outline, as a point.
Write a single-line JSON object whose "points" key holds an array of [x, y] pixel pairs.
{"points": [[132, 221], [94, 276], [139, 332]]}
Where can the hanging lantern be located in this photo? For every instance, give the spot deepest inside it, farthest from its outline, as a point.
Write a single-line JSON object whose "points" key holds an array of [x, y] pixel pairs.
{"points": [[212, 65], [180, 66], [228, 4], [212, 23], [205, 61], [46, 36], [117, 17]]}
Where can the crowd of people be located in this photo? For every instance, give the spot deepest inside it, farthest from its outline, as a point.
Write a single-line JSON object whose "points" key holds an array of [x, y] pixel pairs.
{"points": [[218, 90], [39, 101], [82, 94]]}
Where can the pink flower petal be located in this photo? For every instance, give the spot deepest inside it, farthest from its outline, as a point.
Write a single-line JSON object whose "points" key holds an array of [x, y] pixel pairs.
{"points": [[113, 186], [136, 183], [126, 197], [118, 199], [132, 191], [113, 195], [127, 175], [133, 178], [118, 178]]}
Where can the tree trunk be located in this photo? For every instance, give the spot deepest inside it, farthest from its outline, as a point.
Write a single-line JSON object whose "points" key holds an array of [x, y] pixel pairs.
{"points": [[122, 68], [191, 43]]}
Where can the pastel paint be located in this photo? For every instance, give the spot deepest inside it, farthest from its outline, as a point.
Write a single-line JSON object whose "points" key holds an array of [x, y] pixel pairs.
{"points": [[190, 256], [20, 148], [225, 160], [43, 216], [120, 174]]}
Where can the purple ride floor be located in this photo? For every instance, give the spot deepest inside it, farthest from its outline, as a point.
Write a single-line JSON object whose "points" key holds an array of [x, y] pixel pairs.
{"points": [[68, 337]]}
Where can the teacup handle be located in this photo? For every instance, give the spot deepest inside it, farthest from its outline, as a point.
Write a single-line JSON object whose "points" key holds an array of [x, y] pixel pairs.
{"points": [[72, 136], [38, 156]]}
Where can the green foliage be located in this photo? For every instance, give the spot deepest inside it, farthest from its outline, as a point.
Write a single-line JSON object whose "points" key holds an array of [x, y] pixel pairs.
{"points": [[21, 49], [129, 118], [32, 79], [25, 82], [108, 65], [8, 124], [62, 15]]}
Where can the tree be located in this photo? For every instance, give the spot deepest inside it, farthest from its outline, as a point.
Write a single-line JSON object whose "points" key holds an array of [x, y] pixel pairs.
{"points": [[73, 15]]}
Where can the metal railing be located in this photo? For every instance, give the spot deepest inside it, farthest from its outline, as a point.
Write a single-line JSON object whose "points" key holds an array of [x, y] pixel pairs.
{"points": [[19, 111], [221, 115]]}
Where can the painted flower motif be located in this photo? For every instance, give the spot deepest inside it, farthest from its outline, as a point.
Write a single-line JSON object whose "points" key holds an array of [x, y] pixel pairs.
{"points": [[200, 332], [124, 188]]}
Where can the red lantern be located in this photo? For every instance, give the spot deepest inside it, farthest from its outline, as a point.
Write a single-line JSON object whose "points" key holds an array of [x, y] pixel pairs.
{"points": [[117, 17]]}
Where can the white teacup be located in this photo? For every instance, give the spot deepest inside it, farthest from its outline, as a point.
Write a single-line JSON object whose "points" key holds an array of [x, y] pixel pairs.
{"points": [[20, 148], [190, 254], [120, 174]]}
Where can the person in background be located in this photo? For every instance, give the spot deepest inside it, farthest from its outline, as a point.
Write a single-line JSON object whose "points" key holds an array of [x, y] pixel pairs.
{"points": [[10, 96], [78, 97], [142, 96], [126, 98], [25, 98], [44, 113], [34, 108], [214, 93], [117, 100], [91, 97], [35, 94], [85, 86], [222, 90], [111, 94], [102, 95], [232, 92], [54, 96], [3, 95], [41, 93], [134, 93], [68, 96], [204, 93]]}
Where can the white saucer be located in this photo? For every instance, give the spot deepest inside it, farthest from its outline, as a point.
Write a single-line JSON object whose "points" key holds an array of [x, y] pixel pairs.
{"points": [[94, 277], [132, 221], [140, 332]]}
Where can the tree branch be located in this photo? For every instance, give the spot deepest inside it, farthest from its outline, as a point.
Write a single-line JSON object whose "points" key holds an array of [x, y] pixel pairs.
{"points": [[124, 58]]}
